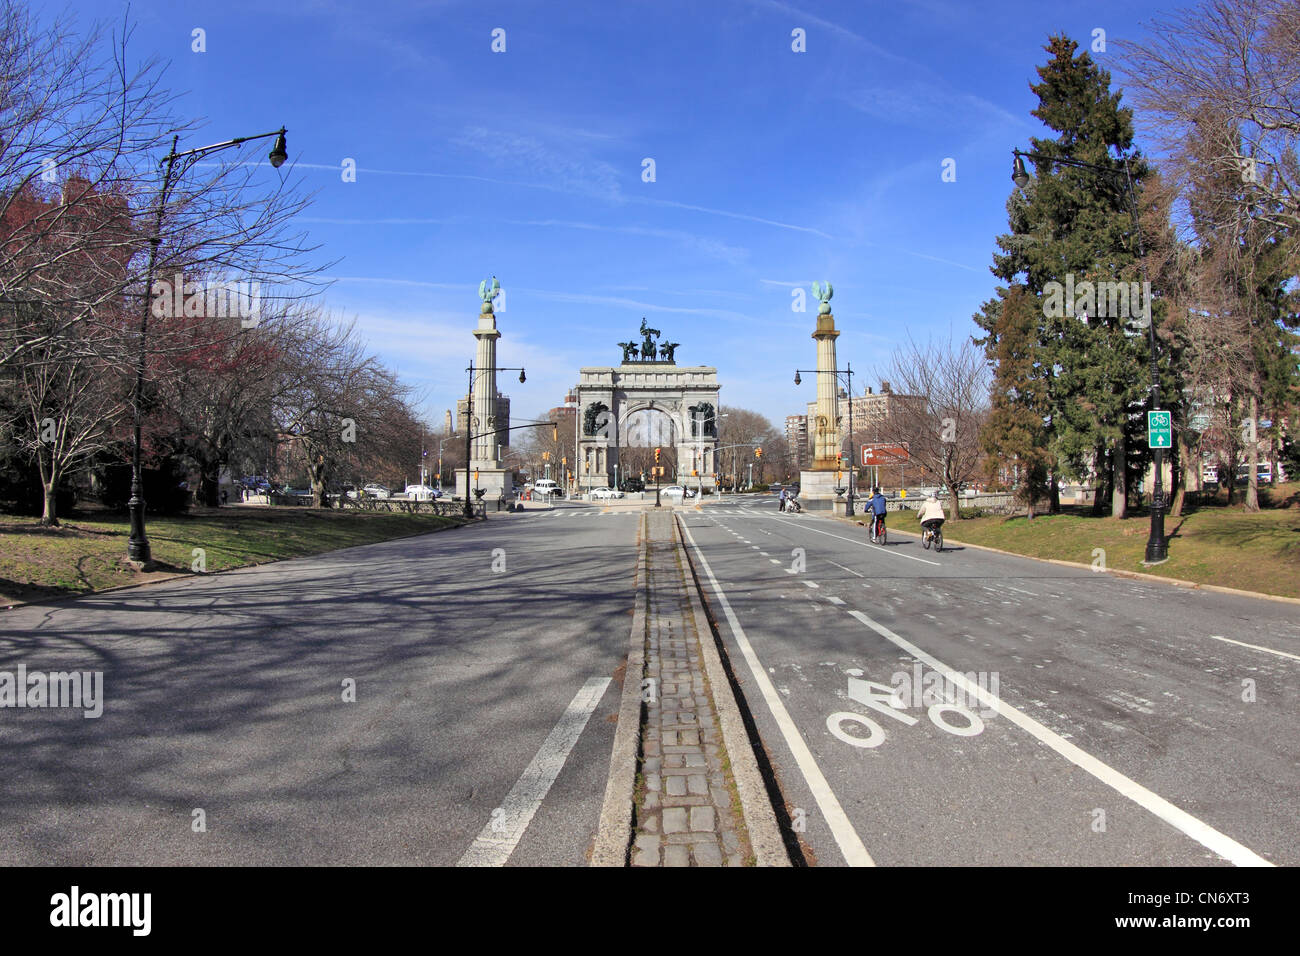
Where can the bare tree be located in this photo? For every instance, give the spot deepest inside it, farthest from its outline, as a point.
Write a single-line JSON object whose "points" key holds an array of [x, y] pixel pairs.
{"points": [[941, 426], [77, 125], [1226, 73], [73, 406], [334, 401], [745, 431]]}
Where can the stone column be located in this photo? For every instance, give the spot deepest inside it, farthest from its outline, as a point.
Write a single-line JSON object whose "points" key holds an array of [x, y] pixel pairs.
{"points": [[484, 452], [826, 440]]}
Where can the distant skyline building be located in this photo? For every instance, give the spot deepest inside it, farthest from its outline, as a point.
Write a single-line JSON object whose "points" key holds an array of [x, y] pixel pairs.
{"points": [[567, 411], [503, 412], [796, 439], [870, 411]]}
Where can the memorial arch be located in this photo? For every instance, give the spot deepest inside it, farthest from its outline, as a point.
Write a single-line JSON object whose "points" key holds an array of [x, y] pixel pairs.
{"points": [[648, 401]]}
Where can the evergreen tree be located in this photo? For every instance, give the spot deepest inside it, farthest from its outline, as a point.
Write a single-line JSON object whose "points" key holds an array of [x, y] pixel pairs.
{"points": [[1074, 226], [1016, 437]]}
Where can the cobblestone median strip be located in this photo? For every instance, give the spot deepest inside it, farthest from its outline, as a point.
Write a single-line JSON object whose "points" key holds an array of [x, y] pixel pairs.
{"points": [[688, 807], [684, 788]]}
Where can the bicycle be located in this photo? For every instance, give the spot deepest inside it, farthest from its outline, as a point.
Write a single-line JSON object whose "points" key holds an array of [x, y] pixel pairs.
{"points": [[879, 534], [932, 535]]}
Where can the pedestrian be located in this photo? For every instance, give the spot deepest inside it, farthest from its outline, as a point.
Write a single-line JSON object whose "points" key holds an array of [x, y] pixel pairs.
{"points": [[781, 505]]}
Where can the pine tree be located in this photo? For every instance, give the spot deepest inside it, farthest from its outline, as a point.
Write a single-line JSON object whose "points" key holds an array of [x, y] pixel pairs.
{"points": [[1016, 436], [1076, 223]]}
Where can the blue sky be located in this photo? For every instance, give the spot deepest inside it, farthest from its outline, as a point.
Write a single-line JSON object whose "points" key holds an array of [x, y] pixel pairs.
{"points": [[772, 168]]}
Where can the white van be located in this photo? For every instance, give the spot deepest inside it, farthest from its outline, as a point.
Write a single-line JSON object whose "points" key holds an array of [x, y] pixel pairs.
{"points": [[545, 487]]}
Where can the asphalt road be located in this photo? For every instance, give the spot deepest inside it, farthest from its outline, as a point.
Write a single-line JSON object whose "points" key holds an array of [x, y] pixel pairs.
{"points": [[1120, 730], [225, 694]]}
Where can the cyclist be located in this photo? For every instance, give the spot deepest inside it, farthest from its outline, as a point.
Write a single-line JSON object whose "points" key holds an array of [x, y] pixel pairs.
{"points": [[931, 514], [879, 505]]}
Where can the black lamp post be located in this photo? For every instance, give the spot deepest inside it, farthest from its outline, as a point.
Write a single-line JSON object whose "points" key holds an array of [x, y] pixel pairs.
{"points": [[137, 546], [1157, 544], [470, 421], [848, 372]]}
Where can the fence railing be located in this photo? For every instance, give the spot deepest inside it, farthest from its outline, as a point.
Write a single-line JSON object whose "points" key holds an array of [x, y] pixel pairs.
{"points": [[447, 507]]}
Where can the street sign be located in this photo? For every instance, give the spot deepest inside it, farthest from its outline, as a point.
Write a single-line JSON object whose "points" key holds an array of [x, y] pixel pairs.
{"points": [[884, 454], [1159, 430]]}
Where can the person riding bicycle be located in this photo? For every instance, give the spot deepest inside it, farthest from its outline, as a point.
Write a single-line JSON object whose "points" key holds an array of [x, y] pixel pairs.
{"points": [[879, 505], [931, 514]]}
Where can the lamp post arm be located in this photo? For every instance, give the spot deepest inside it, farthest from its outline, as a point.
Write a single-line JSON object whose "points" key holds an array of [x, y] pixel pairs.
{"points": [[215, 147]]}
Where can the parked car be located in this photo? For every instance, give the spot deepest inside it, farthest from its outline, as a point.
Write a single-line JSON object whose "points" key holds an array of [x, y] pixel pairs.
{"points": [[678, 491], [1263, 473], [605, 493], [633, 484], [422, 493], [376, 491]]}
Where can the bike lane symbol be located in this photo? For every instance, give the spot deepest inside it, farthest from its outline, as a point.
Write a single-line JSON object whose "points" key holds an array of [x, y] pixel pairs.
{"points": [[884, 699]]}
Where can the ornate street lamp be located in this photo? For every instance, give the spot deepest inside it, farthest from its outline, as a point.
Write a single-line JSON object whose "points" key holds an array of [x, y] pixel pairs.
{"points": [[471, 421], [137, 545], [1157, 544]]}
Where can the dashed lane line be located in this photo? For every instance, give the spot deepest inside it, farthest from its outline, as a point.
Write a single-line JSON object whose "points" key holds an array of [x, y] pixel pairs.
{"points": [[892, 554], [1201, 832], [1255, 647]]}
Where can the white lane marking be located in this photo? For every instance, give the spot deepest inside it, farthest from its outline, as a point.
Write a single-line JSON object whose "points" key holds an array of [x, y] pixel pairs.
{"points": [[753, 547], [1256, 647], [1202, 833], [499, 837], [843, 568], [774, 560], [864, 544], [850, 844], [811, 584], [1023, 591], [833, 599], [766, 554]]}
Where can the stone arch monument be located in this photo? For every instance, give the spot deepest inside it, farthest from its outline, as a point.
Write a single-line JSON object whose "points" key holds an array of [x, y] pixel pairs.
{"points": [[647, 401]]}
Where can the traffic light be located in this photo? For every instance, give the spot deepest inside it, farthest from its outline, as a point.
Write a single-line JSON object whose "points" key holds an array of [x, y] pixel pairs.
{"points": [[546, 456], [657, 451], [758, 453], [555, 432]]}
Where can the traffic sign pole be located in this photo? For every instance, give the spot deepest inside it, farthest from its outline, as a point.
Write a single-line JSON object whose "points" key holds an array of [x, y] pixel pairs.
{"points": [[1159, 437]]}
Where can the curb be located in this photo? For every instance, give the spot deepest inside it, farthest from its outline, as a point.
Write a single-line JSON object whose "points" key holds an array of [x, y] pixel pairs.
{"points": [[614, 833], [1118, 572], [760, 819]]}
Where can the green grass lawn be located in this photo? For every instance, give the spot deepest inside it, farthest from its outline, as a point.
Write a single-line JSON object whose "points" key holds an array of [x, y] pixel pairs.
{"points": [[86, 553], [1213, 545]]}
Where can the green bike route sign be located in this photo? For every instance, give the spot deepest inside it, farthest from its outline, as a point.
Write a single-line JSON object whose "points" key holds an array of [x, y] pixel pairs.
{"points": [[1159, 430]]}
